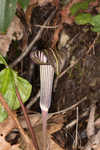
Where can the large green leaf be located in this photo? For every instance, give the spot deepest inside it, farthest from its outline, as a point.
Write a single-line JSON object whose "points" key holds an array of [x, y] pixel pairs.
{"points": [[23, 3], [83, 18], [24, 88], [95, 21], [8, 80], [96, 28], [7, 12]]}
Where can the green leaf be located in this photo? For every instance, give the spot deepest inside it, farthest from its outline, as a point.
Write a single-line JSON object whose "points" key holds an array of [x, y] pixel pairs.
{"points": [[95, 21], [64, 2], [79, 6], [23, 3], [24, 88], [2, 61], [7, 12], [8, 80], [96, 29], [3, 114], [83, 18]]}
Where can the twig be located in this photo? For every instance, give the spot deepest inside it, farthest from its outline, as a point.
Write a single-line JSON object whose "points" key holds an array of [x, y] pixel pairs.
{"points": [[33, 100], [76, 136], [71, 66], [69, 108], [26, 51], [93, 43], [27, 120], [46, 27], [5, 105], [70, 125]]}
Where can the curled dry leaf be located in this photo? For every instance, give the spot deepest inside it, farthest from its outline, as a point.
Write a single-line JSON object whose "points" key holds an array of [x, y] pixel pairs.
{"points": [[14, 32], [4, 44], [6, 146], [3, 144], [5, 128]]}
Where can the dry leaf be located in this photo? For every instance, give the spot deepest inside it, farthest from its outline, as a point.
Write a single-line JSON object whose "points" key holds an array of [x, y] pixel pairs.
{"points": [[15, 147], [5, 128], [53, 145], [3, 144], [14, 32]]}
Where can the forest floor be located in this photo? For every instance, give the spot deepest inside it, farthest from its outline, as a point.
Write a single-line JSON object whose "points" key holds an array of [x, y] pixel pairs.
{"points": [[73, 120]]}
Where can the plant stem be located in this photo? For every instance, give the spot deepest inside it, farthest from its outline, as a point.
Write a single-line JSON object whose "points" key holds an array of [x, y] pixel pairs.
{"points": [[27, 120]]}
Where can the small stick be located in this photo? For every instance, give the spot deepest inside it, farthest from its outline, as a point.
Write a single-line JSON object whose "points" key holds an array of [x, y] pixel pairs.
{"points": [[47, 27], [33, 100], [69, 108]]}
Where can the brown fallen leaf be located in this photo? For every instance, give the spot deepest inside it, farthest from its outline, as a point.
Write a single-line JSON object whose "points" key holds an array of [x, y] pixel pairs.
{"points": [[53, 145], [4, 145], [14, 32], [5, 128], [15, 147]]}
